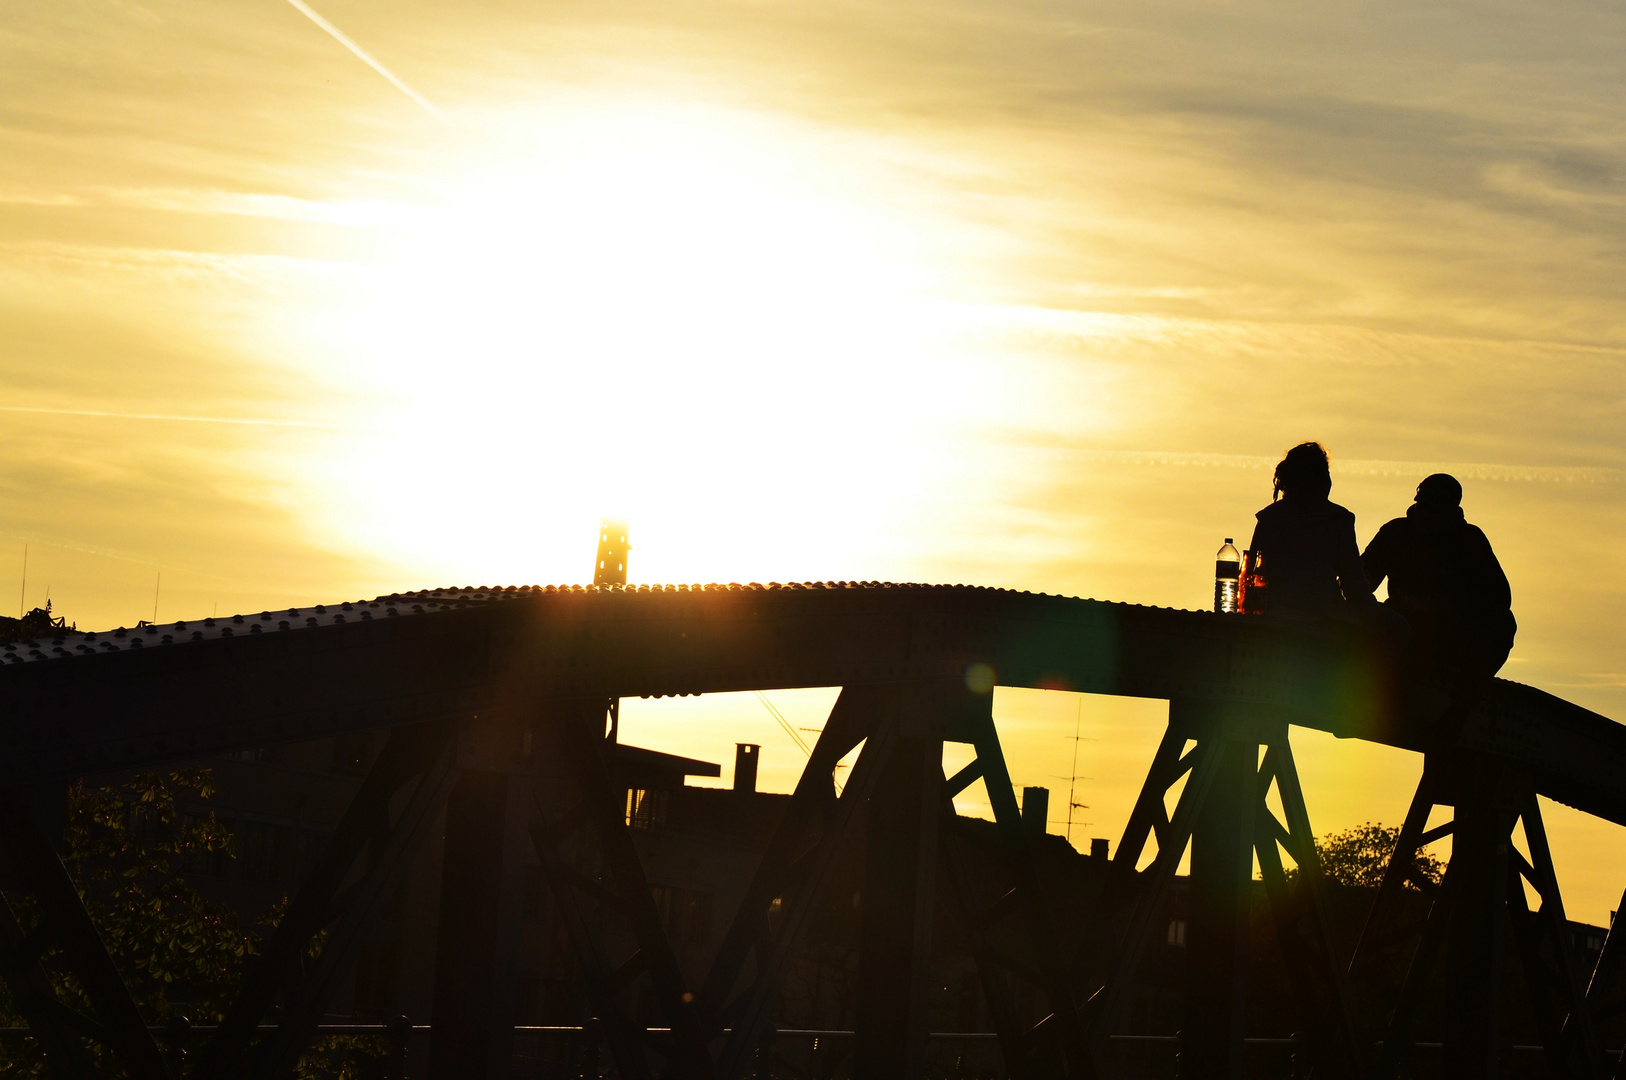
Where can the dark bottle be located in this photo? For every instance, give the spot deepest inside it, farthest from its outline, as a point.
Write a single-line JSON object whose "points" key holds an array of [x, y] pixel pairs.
{"points": [[1255, 586]]}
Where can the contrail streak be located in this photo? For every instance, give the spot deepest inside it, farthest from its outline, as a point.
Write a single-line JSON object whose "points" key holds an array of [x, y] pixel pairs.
{"points": [[338, 35], [122, 556]]}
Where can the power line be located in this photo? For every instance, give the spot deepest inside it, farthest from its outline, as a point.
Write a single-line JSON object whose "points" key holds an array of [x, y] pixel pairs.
{"points": [[790, 730], [786, 724]]}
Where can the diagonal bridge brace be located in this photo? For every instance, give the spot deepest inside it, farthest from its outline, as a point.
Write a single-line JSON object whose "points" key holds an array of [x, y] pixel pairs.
{"points": [[65, 924], [1471, 914], [794, 870], [617, 881], [1223, 814], [370, 847], [1028, 1052]]}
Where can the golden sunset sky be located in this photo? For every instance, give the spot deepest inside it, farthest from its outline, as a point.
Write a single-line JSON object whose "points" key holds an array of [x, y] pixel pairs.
{"points": [[1022, 294]]}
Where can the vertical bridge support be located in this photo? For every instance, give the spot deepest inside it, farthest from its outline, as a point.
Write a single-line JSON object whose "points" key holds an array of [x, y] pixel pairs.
{"points": [[900, 870], [472, 1032], [588, 858], [794, 869], [1217, 934], [1057, 1044], [900, 864], [1481, 898], [897, 790], [1223, 812]]}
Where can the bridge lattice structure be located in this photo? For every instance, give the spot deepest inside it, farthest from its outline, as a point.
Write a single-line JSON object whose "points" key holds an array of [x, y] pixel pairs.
{"points": [[499, 696]]}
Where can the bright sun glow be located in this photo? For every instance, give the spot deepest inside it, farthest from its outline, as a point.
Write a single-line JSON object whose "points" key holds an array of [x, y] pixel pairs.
{"points": [[684, 318]]}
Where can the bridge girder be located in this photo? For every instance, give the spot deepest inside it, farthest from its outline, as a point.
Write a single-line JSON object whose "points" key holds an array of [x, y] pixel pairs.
{"points": [[423, 664]]}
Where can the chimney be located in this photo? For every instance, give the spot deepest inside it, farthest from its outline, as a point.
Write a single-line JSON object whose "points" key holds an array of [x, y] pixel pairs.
{"points": [[745, 766], [1035, 809], [1098, 848]]}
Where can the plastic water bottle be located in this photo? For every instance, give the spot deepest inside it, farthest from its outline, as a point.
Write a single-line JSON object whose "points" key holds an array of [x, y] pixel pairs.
{"points": [[1227, 568]]}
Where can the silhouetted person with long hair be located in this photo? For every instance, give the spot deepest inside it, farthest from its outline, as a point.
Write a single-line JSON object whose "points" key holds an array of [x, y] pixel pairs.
{"points": [[1308, 541], [1444, 577]]}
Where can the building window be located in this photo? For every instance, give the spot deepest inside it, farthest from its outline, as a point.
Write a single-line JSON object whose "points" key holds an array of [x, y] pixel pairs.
{"points": [[1177, 932], [646, 807]]}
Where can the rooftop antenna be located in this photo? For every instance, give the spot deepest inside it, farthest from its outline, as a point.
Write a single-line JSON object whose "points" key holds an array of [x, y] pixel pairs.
{"points": [[1072, 781], [156, 583], [21, 599]]}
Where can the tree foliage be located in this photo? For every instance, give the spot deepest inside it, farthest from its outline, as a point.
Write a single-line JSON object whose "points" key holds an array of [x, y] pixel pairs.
{"points": [[127, 848], [1359, 856]]}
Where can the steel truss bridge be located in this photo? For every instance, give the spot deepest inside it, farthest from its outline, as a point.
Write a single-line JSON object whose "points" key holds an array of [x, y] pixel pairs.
{"points": [[497, 697]]}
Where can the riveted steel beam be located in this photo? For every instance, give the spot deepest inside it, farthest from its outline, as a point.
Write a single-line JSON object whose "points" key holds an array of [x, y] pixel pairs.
{"points": [[106, 700]]}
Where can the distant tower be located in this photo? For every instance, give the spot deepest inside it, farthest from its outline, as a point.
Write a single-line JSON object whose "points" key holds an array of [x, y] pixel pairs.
{"points": [[611, 569], [612, 554]]}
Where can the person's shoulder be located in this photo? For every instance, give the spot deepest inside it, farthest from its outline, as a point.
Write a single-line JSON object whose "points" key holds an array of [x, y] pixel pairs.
{"points": [[1340, 514], [1393, 527]]}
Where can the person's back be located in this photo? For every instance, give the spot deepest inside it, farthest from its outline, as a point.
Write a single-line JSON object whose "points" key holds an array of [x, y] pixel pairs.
{"points": [[1444, 576], [1308, 542]]}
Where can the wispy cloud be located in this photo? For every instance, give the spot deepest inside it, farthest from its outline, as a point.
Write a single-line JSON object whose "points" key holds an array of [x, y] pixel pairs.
{"points": [[394, 79], [357, 212], [246, 421], [1463, 470]]}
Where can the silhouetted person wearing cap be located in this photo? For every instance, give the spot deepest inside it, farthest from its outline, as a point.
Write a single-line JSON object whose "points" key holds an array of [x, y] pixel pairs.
{"points": [[1308, 542], [1444, 577]]}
